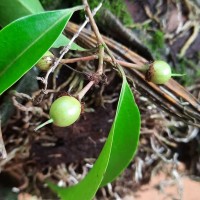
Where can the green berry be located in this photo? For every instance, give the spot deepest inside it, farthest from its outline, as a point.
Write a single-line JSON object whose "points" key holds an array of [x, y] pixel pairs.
{"points": [[159, 72], [46, 61], [65, 111]]}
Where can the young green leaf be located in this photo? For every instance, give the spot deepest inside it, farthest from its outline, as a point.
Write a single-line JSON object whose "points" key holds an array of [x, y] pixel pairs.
{"points": [[11, 10], [117, 153], [24, 41]]}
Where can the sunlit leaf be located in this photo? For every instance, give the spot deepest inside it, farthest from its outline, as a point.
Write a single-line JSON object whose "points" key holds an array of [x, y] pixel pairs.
{"points": [[117, 153], [24, 41], [11, 10]]}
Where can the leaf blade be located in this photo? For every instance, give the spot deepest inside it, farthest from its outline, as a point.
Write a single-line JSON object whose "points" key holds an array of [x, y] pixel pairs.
{"points": [[11, 10], [87, 188], [14, 9], [122, 152], [31, 40]]}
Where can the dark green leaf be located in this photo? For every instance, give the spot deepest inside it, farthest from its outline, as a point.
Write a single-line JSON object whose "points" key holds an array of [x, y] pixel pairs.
{"points": [[117, 153], [24, 41], [11, 10]]}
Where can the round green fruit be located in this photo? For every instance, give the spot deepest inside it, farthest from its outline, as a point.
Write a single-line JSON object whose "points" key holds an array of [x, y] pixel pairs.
{"points": [[159, 72], [65, 111]]}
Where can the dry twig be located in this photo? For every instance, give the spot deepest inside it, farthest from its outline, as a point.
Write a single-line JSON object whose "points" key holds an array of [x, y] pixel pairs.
{"points": [[64, 51]]}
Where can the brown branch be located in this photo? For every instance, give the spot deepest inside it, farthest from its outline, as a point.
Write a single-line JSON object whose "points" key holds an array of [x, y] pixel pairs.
{"points": [[98, 36], [97, 33], [93, 23], [141, 67]]}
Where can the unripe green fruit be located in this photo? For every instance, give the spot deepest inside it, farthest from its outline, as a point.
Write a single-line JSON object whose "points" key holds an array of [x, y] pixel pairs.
{"points": [[65, 111], [159, 72], [46, 61]]}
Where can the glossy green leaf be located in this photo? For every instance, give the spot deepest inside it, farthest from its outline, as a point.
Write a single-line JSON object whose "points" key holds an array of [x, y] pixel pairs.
{"points": [[24, 41], [125, 130], [11, 10], [117, 153]]}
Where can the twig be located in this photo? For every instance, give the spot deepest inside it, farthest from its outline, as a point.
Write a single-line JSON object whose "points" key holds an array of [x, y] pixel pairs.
{"points": [[98, 36], [101, 55], [101, 50], [65, 50], [74, 60], [107, 59], [102, 45], [93, 24], [96, 30]]}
